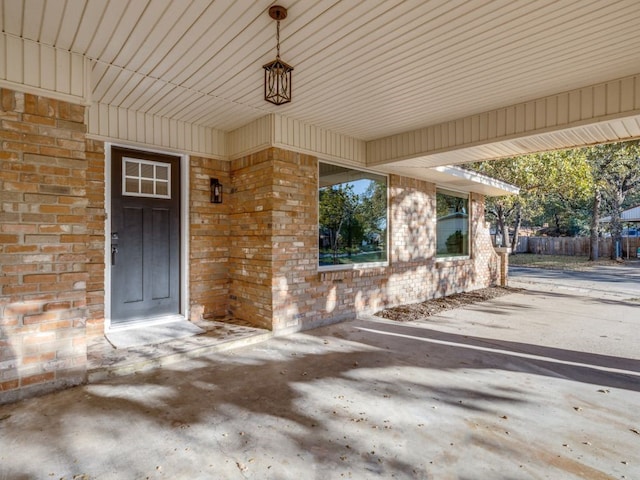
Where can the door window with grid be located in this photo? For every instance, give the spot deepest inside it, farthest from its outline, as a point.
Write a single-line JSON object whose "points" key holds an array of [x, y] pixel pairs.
{"points": [[145, 178]]}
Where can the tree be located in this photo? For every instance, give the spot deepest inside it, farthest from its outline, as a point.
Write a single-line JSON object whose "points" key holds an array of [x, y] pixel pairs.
{"points": [[338, 205], [372, 213], [595, 221], [616, 173], [552, 184]]}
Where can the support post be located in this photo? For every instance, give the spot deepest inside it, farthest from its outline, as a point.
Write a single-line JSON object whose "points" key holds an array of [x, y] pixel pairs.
{"points": [[503, 253]]}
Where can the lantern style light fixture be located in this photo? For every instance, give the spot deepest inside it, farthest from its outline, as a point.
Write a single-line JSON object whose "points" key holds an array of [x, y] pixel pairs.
{"points": [[277, 74], [216, 191]]}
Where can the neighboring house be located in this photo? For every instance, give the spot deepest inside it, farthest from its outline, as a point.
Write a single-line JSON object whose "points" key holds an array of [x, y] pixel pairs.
{"points": [[630, 218], [119, 119]]}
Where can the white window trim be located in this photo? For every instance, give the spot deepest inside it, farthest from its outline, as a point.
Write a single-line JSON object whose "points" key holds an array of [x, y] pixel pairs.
{"points": [[140, 178]]}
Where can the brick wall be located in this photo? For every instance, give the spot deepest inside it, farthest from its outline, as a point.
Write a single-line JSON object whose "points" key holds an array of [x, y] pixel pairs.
{"points": [[275, 281], [95, 230], [250, 243], [44, 237], [413, 273], [294, 239], [209, 240]]}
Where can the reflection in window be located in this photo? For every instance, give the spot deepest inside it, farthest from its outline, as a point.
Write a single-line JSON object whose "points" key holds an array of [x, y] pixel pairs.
{"points": [[352, 216], [452, 226]]}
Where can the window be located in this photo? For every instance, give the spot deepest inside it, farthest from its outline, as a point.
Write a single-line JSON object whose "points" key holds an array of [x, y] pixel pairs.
{"points": [[144, 178], [352, 216], [452, 224]]}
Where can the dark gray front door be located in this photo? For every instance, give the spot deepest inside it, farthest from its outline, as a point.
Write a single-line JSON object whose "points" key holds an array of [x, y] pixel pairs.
{"points": [[145, 235]]}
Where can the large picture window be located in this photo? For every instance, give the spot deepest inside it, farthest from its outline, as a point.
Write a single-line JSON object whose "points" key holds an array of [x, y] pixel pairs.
{"points": [[352, 216], [452, 224]]}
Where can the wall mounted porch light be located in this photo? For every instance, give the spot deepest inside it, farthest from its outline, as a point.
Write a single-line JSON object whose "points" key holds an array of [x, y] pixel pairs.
{"points": [[216, 191], [277, 74]]}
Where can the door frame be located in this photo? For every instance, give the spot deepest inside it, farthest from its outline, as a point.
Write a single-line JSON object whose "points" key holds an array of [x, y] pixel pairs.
{"points": [[184, 231]]}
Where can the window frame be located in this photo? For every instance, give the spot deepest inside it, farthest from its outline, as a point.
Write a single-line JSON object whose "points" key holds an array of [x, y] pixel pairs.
{"points": [[155, 180], [353, 266], [459, 194]]}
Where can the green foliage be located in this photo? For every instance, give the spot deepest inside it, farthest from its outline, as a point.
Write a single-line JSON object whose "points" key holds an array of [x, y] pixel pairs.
{"points": [[562, 188], [337, 206], [446, 204], [616, 176], [354, 223], [555, 188], [372, 213]]}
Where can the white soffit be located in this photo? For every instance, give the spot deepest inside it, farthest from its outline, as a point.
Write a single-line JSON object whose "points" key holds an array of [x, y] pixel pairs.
{"points": [[456, 178], [364, 69], [603, 132]]}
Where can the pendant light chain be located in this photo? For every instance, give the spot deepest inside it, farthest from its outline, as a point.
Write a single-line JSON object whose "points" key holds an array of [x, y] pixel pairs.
{"points": [[278, 40]]}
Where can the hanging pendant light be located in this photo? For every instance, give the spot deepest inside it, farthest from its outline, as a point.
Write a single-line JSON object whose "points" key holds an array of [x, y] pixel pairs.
{"points": [[277, 74]]}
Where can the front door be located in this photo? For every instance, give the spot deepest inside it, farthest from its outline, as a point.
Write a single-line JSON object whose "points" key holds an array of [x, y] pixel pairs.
{"points": [[145, 236]]}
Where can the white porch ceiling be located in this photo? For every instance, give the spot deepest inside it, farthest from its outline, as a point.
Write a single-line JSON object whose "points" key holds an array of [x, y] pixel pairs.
{"points": [[365, 69]]}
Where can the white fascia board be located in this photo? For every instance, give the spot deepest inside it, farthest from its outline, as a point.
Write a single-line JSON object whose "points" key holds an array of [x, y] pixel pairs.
{"points": [[473, 181]]}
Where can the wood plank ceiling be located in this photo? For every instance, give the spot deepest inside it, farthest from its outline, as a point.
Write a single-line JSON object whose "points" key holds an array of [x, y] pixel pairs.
{"points": [[366, 69]]}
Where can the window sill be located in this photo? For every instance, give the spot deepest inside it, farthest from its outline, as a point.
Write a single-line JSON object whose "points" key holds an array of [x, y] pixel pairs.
{"points": [[445, 262], [341, 272]]}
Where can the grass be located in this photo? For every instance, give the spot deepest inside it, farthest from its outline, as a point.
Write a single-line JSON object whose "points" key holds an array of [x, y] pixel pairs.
{"points": [[557, 262]]}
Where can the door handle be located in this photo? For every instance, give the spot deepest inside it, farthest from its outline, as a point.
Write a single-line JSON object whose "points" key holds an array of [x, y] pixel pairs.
{"points": [[114, 250]]}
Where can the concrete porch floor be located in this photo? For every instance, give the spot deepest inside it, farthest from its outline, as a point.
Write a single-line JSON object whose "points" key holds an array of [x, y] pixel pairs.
{"points": [[105, 361], [533, 385]]}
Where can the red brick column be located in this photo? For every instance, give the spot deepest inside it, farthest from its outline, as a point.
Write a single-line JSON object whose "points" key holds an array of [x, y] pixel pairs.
{"points": [[503, 253], [294, 239], [274, 225], [250, 246], [44, 238]]}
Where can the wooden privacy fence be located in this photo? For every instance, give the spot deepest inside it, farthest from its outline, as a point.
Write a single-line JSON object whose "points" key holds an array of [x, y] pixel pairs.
{"points": [[575, 246]]}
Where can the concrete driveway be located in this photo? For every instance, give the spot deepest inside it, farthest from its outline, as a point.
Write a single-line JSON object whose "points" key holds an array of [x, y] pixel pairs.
{"points": [[541, 384], [620, 280]]}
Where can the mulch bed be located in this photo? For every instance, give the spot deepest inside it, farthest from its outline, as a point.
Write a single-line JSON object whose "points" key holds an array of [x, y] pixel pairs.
{"points": [[417, 311]]}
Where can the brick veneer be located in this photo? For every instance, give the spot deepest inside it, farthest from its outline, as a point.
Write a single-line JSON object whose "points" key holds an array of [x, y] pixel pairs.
{"points": [[95, 229], [275, 280], [251, 229], [44, 237], [209, 240]]}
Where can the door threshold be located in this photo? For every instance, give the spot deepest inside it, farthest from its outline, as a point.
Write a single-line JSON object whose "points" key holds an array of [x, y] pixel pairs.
{"points": [[145, 322]]}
